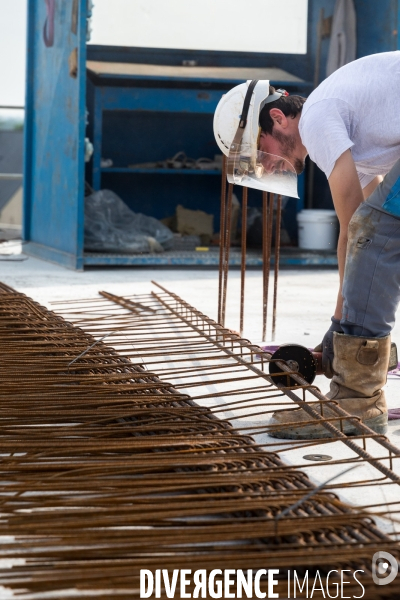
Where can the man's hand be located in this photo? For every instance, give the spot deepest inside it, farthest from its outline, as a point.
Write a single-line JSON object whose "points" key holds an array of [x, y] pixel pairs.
{"points": [[326, 347], [347, 196]]}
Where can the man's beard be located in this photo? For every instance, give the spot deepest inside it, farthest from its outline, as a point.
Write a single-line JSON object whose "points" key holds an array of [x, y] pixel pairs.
{"points": [[299, 165], [288, 145]]}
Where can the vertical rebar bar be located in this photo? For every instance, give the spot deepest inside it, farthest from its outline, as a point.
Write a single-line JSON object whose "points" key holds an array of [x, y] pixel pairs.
{"points": [[268, 211], [228, 222], [243, 263], [222, 237], [264, 260], [276, 262]]}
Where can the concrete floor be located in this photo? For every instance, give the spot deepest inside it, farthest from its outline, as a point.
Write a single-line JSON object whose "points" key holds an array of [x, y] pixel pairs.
{"points": [[305, 302], [306, 297]]}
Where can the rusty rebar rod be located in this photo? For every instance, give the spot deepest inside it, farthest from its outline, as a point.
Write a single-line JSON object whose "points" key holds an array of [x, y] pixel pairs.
{"points": [[225, 264], [243, 257], [276, 262], [222, 234], [267, 217]]}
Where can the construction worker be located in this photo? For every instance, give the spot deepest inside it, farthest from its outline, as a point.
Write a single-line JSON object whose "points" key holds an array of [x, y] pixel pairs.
{"points": [[350, 127]]}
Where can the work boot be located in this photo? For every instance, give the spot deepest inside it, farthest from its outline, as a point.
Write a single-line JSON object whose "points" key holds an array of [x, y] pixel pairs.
{"points": [[360, 368]]}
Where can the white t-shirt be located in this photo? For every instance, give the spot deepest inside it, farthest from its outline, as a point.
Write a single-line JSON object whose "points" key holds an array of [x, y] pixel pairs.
{"points": [[357, 107]]}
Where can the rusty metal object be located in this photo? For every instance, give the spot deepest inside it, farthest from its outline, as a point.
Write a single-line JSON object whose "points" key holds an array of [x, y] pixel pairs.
{"points": [[266, 259], [243, 259], [226, 253], [115, 466], [225, 243], [276, 262], [222, 236], [268, 214]]}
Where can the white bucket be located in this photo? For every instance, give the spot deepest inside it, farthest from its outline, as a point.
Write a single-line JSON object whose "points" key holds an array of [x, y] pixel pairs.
{"points": [[318, 229]]}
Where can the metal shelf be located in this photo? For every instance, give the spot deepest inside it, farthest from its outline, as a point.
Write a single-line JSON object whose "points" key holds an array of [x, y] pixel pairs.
{"points": [[288, 257], [162, 171]]}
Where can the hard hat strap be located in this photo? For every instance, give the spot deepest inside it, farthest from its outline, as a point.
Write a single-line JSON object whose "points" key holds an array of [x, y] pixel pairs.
{"points": [[246, 103], [243, 117]]}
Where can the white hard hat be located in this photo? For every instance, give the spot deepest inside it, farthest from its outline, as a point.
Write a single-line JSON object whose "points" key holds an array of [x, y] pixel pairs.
{"points": [[229, 112], [236, 130]]}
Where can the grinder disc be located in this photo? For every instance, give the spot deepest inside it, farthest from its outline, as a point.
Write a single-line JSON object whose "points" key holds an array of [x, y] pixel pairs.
{"points": [[299, 358]]}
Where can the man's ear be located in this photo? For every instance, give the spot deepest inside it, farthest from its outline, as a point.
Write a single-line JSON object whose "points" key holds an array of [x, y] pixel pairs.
{"points": [[278, 118]]}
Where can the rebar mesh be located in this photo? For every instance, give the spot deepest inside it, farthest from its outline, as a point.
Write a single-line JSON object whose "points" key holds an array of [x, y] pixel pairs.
{"points": [[118, 456]]}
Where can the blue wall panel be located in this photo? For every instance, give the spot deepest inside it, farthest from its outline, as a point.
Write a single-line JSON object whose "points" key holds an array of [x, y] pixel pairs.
{"points": [[377, 26], [55, 131]]}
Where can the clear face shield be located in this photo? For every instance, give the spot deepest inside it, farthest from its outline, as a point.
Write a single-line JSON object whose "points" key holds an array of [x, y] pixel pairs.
{"points": [[260, 170]]}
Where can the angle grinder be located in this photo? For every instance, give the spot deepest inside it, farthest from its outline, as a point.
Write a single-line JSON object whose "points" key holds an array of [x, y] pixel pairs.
{"points": [[305, 362]]}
